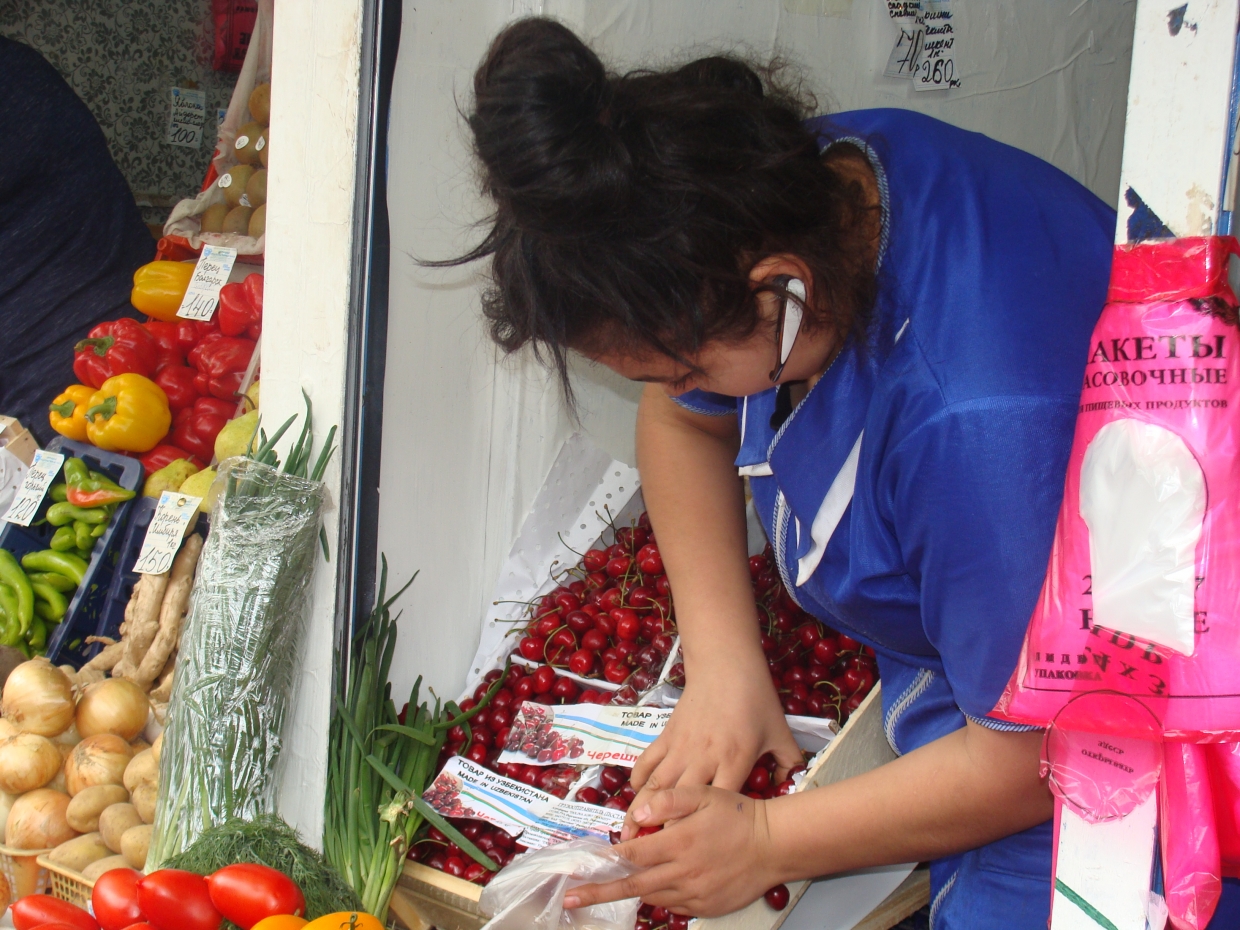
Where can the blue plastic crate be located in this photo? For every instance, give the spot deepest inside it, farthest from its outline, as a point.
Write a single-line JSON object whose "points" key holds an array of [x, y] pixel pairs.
{"points": [[67, 640]]}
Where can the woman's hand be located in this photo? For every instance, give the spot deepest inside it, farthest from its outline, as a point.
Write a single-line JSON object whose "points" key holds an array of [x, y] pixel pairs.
{"points": [[723, 723], [712, 858]]}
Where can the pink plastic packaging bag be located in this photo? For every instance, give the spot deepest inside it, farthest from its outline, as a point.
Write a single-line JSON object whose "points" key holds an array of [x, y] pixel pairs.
{"points": [[1142, 593]]}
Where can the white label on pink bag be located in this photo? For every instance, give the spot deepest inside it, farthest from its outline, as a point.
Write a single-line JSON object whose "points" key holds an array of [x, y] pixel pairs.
{"points": [[464, 789], [582, 734]]}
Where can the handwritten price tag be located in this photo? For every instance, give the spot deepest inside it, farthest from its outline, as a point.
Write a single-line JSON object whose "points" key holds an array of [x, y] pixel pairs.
{"points": [[163, 536], [189, 115], [44, 468], [211, 273]]}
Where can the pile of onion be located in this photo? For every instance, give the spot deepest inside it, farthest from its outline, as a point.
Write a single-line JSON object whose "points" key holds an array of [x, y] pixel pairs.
{"points": [[38, 698], [37, 820], [114, 705], [27, 761]]}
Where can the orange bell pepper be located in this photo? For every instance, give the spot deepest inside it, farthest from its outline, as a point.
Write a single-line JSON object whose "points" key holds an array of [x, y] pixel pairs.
{"points": [[158, 288], [67, 413], [129, 413]]}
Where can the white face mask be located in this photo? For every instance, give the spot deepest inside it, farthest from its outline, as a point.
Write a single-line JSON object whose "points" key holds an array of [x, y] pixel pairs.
{"points": [[789, 322]]}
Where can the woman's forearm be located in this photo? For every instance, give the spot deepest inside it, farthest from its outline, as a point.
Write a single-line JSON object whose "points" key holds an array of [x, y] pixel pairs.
{"points": [[964, 790], [697, 507]]}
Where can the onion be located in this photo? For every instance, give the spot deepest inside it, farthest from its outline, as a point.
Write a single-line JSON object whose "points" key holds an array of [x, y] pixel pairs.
{"points": [[116, 706], [68, 739], [97, 760], [37, 820], [7, 729], [38, 698], [27, 761], [6, 805]]}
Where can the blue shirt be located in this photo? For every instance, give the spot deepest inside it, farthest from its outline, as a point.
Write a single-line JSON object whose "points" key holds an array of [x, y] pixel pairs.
{"points": [[911, 497]]}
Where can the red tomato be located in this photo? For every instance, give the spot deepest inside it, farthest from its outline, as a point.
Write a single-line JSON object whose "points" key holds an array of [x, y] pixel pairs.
{"points": [[142, 926], [173, 899], [115, 899], [246, 893], [35, 910], [56, 926]]}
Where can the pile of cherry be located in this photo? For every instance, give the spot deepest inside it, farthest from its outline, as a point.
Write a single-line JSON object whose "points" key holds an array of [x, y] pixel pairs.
{"points": [[613, 620], [439, 852], [817, 671]]}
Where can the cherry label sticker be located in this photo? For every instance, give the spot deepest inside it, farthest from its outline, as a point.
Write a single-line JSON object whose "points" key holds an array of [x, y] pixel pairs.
{"points": [[163, 536], [582, 734], [39, 477], [468, 791], [210, 274]]}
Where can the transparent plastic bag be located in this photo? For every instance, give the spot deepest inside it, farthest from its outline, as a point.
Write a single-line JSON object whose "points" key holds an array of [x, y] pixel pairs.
{"points": [[529, 893], [238, 654]]}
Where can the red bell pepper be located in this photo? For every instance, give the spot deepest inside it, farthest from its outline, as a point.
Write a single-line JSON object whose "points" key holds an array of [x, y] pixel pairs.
{"points": [[165, 336], [115, 348], [254, 290], [192, 332], [177, 380], [196, 427], [239, 315], [163, 455], [221, 362]]}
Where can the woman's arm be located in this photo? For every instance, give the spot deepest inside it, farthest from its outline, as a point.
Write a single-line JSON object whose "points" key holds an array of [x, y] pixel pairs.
{"points": [[729, 714], [962, 791]]}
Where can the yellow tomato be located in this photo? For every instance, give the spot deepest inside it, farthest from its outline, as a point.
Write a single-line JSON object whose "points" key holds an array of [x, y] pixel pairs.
{"points": [[280, 922], [344, 920]]}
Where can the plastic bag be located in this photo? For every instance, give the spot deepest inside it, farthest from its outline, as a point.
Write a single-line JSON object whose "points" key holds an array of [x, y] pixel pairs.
{"points": [[529, 893], [234, 25], [238, 654], [1142, 593]]}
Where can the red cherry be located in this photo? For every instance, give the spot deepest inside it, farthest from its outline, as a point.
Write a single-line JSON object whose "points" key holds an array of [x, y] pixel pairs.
{"points": [[757, 565], [619, 567], [481, 735], [581, 662], [589, 795], [777, 897], [503, 698], [663, 586], [579, 621], [759, 779], [594, 640], [605, 623], [477, 753], [794, 707], [783, 621], [663, 643], [590, 696], [612, 777], [566, 689], [628, 626], [641, 597], [610, 600], [616, 672], [809, 634], [547, 625], [848, 644], [643, 679], [827, 650], [594, 560], [567, 601], [455, 866], [523, 690], [492, 676], [563, 638], [532, 648], [544, 679], [678, 922], [624, 650], [501, 717]]}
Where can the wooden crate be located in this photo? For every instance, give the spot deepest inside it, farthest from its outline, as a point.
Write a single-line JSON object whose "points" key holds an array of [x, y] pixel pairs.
{"points": [[426, 897]]}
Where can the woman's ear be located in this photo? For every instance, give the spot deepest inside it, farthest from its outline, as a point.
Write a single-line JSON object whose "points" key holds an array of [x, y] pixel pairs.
{"points": [[776, 266]]}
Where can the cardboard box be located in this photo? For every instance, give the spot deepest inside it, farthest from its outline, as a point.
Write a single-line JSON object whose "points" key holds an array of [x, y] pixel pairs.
{"points": [[17, 439]]}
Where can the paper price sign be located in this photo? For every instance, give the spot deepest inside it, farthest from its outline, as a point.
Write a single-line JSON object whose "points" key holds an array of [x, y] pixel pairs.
{"points": [[211, 274], [39, 476], [163, 536]]}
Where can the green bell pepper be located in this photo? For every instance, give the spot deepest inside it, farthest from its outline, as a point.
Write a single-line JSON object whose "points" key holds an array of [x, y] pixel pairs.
{"points": [[82, 537], [59, 492], [76, 471]]}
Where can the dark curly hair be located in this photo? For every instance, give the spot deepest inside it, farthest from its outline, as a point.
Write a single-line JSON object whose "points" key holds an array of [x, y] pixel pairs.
{"points": [[630, 208]]}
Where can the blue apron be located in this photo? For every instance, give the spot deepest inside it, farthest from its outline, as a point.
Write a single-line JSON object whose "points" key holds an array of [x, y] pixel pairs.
{"points": [[911, 497]]}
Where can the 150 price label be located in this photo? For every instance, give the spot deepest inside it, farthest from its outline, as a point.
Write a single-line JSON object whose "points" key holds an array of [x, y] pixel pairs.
{"points": [[39, 476], [210, 274], [163, 536]]}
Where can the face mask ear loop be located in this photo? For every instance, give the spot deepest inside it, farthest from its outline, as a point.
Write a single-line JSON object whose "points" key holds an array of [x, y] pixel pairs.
{"points": [[790, 317]]}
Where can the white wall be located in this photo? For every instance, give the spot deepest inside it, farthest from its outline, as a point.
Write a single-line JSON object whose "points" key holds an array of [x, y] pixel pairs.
{"points": [[467, 442]]}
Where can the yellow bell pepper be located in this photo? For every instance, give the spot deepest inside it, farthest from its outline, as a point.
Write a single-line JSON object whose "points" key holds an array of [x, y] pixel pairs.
{"points": [[129, 413], [67, 414], [159, 287]]}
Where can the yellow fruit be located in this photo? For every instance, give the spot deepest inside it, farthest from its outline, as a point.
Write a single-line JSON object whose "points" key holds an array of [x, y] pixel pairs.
{"points": [[345, 920], [212, 219], [260, 104], [258, 223], [199, 485], [280, 922], [262, 148], [235, 435], [256, 188], [238, 220], [252, 394], [233, 181], [246, 145]]}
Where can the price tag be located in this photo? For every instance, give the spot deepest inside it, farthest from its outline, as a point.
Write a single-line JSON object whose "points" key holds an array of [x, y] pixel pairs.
{"points": [[936, 60], [163, 536], [39, 476], [214, 265], [189, 114]]}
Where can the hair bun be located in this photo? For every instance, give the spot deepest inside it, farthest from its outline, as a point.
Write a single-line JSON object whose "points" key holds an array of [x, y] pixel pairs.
{"points": [[719, 71], [541, 126]]}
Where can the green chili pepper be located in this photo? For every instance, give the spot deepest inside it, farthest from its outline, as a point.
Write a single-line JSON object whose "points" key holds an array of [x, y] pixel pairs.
{"points": [[59, 492], [83, 554], [81, 533], [50, 597], [48, 560], [64, 539], [76, 472], [37, 637], [98, 530], [10, 625], [12, 575], [55, 579], [61, 514]]}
